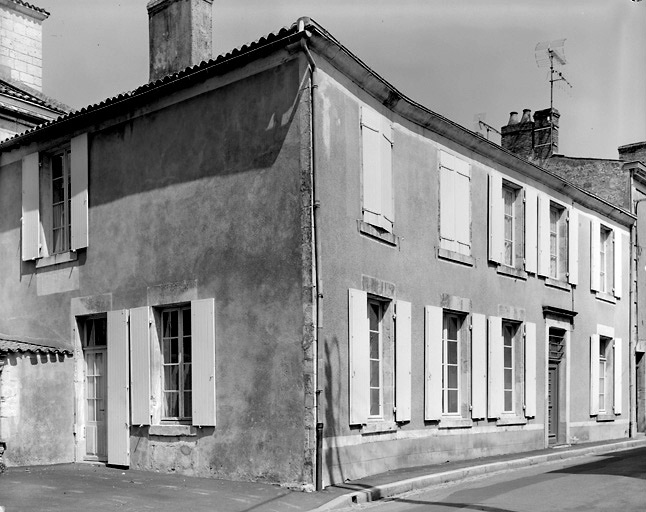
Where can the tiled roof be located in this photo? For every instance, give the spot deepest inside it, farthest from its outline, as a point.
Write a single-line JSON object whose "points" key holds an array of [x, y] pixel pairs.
{"points": [[30, 6], [12, 345], [25, 93]]}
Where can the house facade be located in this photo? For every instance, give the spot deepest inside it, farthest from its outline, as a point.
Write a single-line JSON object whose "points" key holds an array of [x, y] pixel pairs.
{"points": [[274, 266]]}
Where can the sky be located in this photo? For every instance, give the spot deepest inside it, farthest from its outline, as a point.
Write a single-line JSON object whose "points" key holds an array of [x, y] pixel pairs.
{"points": [[459, 58]]}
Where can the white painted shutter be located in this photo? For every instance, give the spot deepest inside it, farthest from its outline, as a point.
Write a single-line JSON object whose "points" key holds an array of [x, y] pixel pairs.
{"points": [[595, 242], [30, 205], [495, 374], [479, 366], [140, 365], [203, 361], [403, 361], [118, 389], [530, 370], [462, 205], [433, 326], [594, 374], [371, 162], [386, 141], [531, 230], [496, 218], [79, 200], [447, 208], [617, 374], [618, 262], [358, 356], [573, 247], [543, 235]]}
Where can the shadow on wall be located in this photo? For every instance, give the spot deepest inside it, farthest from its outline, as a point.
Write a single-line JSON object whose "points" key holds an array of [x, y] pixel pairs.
{"points": [[332, 403]]}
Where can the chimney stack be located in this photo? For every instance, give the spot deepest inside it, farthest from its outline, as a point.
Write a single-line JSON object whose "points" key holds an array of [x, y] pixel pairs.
{"points": [[180, 33], [534, 140], [518, 137]]}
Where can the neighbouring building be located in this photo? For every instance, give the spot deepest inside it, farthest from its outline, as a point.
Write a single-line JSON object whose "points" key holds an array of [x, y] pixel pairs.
{"points": [[277, 239]]}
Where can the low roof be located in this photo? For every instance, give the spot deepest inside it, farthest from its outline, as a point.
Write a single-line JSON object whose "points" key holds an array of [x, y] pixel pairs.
{"points": [[20, 91], [9, 344], [30, 6]]}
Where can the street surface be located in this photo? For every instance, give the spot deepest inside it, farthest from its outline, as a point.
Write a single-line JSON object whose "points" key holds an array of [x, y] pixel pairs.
{"points": [[615, 482]]}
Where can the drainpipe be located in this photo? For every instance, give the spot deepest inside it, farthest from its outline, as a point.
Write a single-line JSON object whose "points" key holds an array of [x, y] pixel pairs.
{"points": [[317, 250]]}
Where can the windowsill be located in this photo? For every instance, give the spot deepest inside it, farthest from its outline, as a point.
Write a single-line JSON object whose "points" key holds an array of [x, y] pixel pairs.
{"points": [[377, 427], [511, 420], [56, 259], [455, 422], [378, 233], [603, 417], [557, 283], [606, 297], [172, 430], [506, 270], [464, 259]]}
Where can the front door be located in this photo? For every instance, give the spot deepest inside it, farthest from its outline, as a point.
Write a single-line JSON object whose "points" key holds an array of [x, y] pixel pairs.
{"points": [[553, 403], [95, 390]]}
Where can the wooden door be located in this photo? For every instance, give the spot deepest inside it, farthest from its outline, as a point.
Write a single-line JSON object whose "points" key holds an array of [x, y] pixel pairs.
{"points": [[553, 403]]}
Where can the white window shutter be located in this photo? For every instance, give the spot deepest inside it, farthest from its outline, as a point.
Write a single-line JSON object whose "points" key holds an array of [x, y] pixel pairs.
{"points": [[371, 165], [140, 365], [594, 375], [358, 356], [203, 361], [618, 262], [386, 143], [30, 207], [495, 374], [79, 201], [433, 326], [447, 208], [543, 235], [573, 247], [530, 370], [496, 217], [617, 374], [479, 366], [531, 230], [403, 361], [462, 214], [595, 242], [118, 412]]}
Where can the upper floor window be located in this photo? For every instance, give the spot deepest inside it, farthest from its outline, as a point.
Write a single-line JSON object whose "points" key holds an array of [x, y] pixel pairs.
{"points": [[606, 260], [455, 204], [506, 222], [61, 201], [558, 247]]}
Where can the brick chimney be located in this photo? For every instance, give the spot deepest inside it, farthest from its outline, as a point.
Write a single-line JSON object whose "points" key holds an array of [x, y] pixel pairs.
{"points": [[180, 34], [517, 136], [531, 139], [21, 43]]}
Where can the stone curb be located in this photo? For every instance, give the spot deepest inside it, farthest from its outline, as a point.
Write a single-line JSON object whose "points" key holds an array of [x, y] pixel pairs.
{"points": [[379, 492]]}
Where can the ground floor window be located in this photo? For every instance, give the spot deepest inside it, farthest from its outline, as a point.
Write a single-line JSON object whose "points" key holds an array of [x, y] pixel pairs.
{"points": [[176, 363]]}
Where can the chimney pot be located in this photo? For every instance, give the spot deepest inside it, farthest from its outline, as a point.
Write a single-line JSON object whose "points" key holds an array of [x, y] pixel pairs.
{"points": [[527, 116], [513, 118]]}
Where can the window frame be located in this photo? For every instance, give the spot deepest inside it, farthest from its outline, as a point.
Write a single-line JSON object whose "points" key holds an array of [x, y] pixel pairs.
{"points": [[380, 360], [65, 155], [606, 259], [446, 389], [559, 253]]}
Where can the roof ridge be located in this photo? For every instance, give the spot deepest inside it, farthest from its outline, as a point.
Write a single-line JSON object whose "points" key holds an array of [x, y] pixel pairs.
{"points": [[30, 6]]}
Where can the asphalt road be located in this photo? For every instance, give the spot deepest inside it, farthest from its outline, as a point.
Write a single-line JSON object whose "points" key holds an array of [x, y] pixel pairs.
{"points": [[609, 483]]}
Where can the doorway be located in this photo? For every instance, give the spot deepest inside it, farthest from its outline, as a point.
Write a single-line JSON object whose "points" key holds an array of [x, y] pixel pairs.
{"points": [[95, 359], [555, 388], [640, 395]]}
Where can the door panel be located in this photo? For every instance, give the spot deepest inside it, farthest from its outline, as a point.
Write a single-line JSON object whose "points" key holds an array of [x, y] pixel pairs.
{"points": [[552, 403], [95, 394]]}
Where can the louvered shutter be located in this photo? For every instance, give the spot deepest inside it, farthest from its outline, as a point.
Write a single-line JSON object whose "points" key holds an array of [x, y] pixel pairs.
{"points": [[530, 370], [573, 241], [371, 151], [358, 356], [479, 366], [531, 230], [447, 208], [543, 235], [403, 361], [462, 206], [203, 361], [617, 374], [433, 326], [79, 183], [496, 218], [118, 411], [30, 207], [595, 241], [618, 262], [140, 365], [386, 143], [495, 374], [594, 374]]}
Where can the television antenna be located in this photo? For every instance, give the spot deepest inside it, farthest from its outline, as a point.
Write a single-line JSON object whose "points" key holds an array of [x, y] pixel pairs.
{"points": [[479, 125]]}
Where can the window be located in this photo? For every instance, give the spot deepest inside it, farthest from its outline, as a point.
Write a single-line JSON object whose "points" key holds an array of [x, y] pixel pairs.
{"points": [[606, 374], [603, 366], [606, 258], [61, 201], [176, 363], [508, 332], [606, 255], [375, 316], [451, 364], [455, 204], [558, 242]]}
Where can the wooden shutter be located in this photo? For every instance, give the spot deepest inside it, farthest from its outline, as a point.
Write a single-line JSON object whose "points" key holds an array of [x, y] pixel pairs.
{"points": [[203, 361], [403, 361], [79, 200], [447, 205], [462, 205], [617, 374], [358, 356], [573, 246], [140, 365], [617, 262], [496, 218], [118, 389], [495, 374], [478, 366], [594, 374], [371, 163], [433, 326], [595, 241], [531, 230], [386, 142], [530, 370], [543, 235], [30, 204]]}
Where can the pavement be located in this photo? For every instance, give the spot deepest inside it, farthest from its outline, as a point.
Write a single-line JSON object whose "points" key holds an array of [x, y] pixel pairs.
{"points": [[85, 486]]}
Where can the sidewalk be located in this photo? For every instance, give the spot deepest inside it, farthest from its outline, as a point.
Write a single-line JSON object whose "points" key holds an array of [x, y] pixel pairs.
{"points": [[81, 487]]}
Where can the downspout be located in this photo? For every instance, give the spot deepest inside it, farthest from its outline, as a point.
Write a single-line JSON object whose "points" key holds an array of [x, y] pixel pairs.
{"points": [[317, 252]]}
